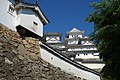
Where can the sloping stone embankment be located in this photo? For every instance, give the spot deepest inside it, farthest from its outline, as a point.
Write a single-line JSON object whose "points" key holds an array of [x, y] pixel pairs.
{"points": [[20, 59]]}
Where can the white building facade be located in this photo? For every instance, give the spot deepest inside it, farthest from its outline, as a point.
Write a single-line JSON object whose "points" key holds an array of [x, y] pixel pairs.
{"points": [[29, 20], [77, 47], [16, 15], [57, 59], [85, 51]]}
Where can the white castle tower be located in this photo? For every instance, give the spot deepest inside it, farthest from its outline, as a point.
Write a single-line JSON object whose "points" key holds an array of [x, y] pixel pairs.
{"points": [[83, 49], [82, 46], [73, 36], [23, 17], [29, 20], [77, 47], [54, 40]]}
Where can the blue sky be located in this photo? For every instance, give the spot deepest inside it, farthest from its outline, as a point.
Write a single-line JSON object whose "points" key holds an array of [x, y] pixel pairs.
{"points": [[66, 14]]}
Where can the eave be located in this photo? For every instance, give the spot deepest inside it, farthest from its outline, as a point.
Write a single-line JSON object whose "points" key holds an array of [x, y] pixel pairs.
{"points": [[71, 33], [52, 34]]}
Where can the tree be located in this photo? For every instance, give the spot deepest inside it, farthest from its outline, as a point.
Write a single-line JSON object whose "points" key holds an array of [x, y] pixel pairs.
{"points": [[106, 35]]}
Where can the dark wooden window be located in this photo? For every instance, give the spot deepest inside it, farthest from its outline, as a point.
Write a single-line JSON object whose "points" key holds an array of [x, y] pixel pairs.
{"points": [[35, 23], [11, 9]]}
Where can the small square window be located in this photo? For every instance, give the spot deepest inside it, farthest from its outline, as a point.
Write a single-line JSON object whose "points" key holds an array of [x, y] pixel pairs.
{"points": [[72, 35], [11, 9], [35, 26], [35, 23]]}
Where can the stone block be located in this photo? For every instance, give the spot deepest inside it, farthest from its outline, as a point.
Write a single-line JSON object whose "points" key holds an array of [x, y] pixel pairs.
{"points": [[21, 49], [21, 62]]}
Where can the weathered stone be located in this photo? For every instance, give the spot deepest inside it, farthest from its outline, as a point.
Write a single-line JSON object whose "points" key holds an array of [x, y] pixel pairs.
{"points": [[14, 43], [15, 51], [31, 42], [8, 61], [0, 47], [21, 57], [30, 50], [33, 56], [0, 44], [3, 39], [36, 50], [18, 62], [44, 79], [25, 42], [1, 59], [21, 49], [1, 53], [28, 78], [28, 46]]}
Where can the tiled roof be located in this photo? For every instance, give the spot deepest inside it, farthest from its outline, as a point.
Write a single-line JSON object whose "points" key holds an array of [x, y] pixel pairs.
{"points": [[88, 60], [52, 34], [87, 51], [80, 46], [75, 30]]}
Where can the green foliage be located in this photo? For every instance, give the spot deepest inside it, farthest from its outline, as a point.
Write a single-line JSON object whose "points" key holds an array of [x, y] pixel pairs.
{"points": [[106, 35]]}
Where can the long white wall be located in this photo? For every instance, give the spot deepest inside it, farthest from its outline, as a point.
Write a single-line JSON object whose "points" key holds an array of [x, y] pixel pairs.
{"points": [[53, 39], [82, 49], [93, 65], [88, 56], [71, 36], [64, 65]]}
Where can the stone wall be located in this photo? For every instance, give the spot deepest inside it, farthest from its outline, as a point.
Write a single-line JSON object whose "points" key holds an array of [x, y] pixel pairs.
{"points": [[20, 59]]}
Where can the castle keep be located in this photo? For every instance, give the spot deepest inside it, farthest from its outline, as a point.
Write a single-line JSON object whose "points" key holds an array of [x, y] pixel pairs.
{"points": [[73, 56]]}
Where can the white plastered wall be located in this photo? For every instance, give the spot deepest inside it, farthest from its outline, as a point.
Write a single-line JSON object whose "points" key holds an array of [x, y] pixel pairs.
{"points": [[57, 62], [93, 65], [7, 18], [27, 21]]}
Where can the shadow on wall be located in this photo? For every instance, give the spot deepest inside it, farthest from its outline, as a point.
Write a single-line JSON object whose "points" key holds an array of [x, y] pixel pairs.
{"points": [[26, 33]]}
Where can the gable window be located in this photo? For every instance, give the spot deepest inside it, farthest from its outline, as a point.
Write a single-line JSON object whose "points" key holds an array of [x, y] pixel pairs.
{"points": [[35, 23], [72, 35], [76, 35], [11, 9], [35, 26]]}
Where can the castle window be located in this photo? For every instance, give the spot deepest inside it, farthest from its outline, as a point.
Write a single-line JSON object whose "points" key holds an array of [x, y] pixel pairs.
{"points": [[73, 35], [89, 47], [79, 42], [11, 9], [35, 26], [51, 58], [35, 23], [76, 35], [55, 37]]}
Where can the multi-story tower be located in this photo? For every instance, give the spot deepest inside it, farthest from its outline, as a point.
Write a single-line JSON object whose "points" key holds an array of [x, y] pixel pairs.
{"points": [[77, 47], [83, 49], [54, 40], [81, 46], [73, 36]]}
